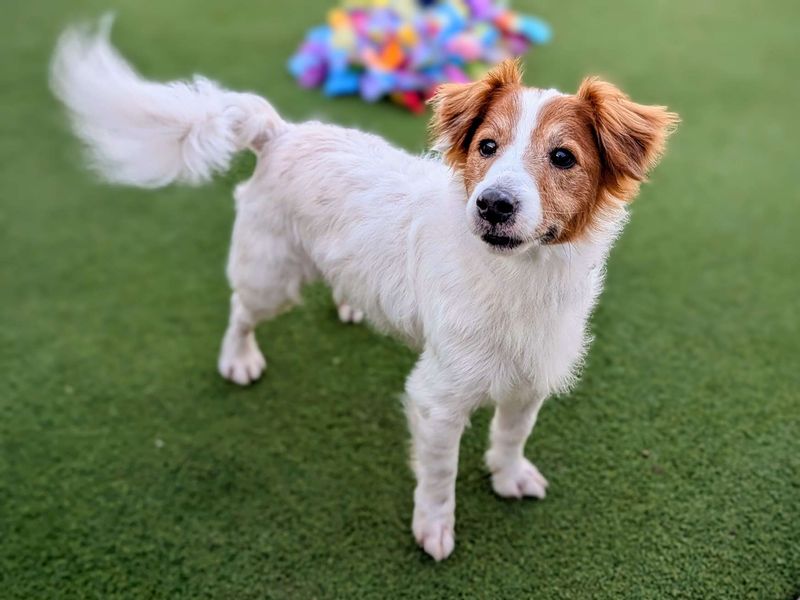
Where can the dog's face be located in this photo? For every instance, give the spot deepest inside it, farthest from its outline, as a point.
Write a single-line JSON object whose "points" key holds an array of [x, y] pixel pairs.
{"points": [[540, 166]]}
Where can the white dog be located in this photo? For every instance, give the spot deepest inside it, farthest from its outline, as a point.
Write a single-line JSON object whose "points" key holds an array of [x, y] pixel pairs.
{"points": [[488, 260]]}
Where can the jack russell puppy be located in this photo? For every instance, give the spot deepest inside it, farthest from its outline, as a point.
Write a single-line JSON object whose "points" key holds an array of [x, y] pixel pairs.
{"points": [[487, 257]]}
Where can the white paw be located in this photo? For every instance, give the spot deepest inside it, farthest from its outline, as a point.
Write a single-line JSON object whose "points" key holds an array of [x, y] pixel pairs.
{"points": [[435, 534], [519, 479], [348, 314], [242, 365]]}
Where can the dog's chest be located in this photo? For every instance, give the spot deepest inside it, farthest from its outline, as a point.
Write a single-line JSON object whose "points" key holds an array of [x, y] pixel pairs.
{"points": [[546, 340], [531, 329]]}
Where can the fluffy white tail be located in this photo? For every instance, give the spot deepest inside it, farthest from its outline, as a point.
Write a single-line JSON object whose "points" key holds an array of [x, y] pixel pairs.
{"points": [[151, 134]]}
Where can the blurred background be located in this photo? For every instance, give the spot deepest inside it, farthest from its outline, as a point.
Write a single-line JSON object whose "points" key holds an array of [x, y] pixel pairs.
{"points": [[129, 468]]}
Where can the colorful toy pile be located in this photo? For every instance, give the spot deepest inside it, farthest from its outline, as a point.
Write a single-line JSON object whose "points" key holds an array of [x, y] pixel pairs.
{"points": [[404, 49]]}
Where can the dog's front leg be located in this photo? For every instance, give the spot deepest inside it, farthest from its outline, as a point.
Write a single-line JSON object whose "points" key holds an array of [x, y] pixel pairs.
{"points": [[438, 411], [513, 475]]}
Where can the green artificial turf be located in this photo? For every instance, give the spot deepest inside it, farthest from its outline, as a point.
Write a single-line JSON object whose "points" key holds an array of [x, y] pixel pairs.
{"points": [[130, 469]]}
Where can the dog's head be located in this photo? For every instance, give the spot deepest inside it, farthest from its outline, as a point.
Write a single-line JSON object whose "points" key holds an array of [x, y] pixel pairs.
{"points": [[540, 166]]}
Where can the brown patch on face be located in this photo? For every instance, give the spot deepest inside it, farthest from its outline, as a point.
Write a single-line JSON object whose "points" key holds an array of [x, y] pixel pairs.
{"points": [[498, 125], [460, 110], [615, 143], [568, 196]]}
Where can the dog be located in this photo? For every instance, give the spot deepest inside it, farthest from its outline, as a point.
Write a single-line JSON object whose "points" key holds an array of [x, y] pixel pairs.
{"points": [[487, 256]]}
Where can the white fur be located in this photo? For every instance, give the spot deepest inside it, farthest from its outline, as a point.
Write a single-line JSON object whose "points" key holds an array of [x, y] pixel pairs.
{"points": [[388, 232], [147, 134]]}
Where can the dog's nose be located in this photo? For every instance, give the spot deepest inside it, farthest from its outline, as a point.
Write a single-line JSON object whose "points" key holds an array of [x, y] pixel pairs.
{"points": [[495, 206]]}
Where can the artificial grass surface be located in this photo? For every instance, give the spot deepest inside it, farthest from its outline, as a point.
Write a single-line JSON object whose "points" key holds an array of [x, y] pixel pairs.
{"points": [[129, 469]]}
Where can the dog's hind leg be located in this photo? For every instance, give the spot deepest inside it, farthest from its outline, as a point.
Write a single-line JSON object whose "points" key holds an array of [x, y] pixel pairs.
{"points": [[267, 272], [240, 359], [347, 312]]}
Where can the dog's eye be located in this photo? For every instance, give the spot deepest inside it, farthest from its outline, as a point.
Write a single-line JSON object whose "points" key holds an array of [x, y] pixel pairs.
{"points": [[487, 147], [562, 158]]}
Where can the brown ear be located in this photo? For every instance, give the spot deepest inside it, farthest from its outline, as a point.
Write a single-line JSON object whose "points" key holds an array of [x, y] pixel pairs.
{"points": [[459, 108], [631, 136]]}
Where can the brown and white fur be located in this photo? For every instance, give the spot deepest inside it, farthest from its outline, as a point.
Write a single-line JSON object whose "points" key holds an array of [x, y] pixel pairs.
{"points": [[487, 259]]}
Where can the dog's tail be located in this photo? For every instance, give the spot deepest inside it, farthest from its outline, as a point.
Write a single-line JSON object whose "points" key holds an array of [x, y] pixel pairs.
{"points": [[150, 134]]}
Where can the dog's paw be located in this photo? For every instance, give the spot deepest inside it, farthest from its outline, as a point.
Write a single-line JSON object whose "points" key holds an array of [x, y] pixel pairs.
{"points": [[434, 534], [348, 314], [519, 479], [242, 367]]}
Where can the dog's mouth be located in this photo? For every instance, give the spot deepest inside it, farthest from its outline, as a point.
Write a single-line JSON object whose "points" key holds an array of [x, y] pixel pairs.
{"points": [[500, 241], [549, 236]]}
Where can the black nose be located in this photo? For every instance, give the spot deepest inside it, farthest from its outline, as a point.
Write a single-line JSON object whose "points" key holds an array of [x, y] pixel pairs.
{"points": [[495, 206]]}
